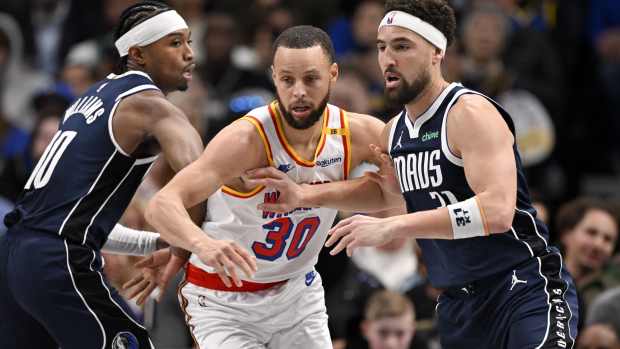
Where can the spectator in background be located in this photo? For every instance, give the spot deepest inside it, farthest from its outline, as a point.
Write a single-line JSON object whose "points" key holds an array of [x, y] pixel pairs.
{"points": [[588, 231], [351, 92], [606, 309], [356, 47], [232, 90], [485, 39], [599, 336], [18, 167], [389, 321], [18, 81], [604, 33], [484, 35]]}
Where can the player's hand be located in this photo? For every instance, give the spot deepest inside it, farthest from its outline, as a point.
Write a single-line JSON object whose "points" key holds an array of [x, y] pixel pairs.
{"points": [[157, 270], [358, 231], [386, 176], [289, 197], [226, 256]]}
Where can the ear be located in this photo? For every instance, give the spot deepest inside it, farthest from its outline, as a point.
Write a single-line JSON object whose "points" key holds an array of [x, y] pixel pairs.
{"points": [[136, 55], [437, 56], [334, 72]]}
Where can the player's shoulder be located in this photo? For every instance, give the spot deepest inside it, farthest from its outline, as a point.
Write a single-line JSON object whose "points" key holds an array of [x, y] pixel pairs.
{"points": [[149, 104], [364, 121], [472, 106]]}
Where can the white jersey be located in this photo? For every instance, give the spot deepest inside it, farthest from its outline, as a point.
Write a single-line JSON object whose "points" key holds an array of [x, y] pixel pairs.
{"points": [[285, 245]]}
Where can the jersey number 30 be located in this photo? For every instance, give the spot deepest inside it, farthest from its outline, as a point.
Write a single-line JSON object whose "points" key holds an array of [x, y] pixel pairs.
{"points": [[278, 232], [43, 171]]}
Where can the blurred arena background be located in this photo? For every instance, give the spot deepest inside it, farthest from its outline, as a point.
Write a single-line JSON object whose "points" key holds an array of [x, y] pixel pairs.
{"points": [[554, 65]]}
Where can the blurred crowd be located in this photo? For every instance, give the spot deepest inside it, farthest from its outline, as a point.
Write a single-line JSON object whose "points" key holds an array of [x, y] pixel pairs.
{"points": [[554, 65]]}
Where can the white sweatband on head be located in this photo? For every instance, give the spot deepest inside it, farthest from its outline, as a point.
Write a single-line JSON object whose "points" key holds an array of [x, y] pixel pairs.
{"points": [[150, 31], [416, 25], [467, 219], [123, 240]]}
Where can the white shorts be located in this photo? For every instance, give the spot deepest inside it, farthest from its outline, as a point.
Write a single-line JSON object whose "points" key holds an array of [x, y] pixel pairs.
{"points": [[291, 315]]}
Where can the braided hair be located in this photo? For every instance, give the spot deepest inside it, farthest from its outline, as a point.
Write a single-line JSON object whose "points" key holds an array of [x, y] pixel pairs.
{"points": [[134, 15]]}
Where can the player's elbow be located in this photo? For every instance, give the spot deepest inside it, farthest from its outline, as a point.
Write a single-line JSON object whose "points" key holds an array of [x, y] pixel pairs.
{"points": [[498, 210], [501, 221], [155, 209]]}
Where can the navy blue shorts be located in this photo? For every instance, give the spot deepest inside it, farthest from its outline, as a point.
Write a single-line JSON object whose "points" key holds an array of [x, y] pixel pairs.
{"points": [[532, 306], [53, 293]]}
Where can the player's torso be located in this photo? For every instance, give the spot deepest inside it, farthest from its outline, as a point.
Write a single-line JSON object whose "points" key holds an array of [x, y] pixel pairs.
{"points": [[285, 245], [431, 176], [84, 181]]}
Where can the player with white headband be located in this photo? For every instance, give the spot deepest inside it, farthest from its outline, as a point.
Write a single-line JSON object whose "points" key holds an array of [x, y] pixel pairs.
{"points": [[451, 155], [52, 289]]}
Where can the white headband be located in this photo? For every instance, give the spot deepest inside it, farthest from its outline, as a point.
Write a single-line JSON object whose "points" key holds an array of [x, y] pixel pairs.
{"points": [[413, 23], [150, 31]]}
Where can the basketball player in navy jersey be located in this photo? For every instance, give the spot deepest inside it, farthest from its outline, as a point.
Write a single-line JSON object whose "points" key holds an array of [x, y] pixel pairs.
{"points": [[52, 290], [456, 165]]}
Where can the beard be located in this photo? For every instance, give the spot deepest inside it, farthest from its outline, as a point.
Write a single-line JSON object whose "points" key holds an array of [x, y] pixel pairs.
{"points": [[408, 92], [315, 114]]}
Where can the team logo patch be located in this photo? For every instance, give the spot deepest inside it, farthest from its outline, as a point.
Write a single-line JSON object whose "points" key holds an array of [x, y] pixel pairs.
{"points": [[125, 340]]}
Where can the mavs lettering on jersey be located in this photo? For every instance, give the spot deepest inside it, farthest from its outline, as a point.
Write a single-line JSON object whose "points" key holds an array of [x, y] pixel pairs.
{"points": [[431, 176], [418, 170], [84, 180]]}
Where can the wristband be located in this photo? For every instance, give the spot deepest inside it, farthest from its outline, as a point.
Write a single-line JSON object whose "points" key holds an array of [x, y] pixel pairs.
{"points": [[467, 219]]}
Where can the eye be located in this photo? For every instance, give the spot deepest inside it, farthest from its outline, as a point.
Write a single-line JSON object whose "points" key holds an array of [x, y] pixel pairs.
{"points": [[381, 47], [311, 79], [287, 80], [401, 47], [189, 42]]}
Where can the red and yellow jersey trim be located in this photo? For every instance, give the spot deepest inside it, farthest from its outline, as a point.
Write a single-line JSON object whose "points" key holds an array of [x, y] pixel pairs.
{"points": [[274, 112], [346, 143], [261, 132]]}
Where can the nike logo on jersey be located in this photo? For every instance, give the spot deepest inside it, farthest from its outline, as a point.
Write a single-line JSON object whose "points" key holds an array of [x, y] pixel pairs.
{"points": [[310, 277], [418, 170], [285, 168]]}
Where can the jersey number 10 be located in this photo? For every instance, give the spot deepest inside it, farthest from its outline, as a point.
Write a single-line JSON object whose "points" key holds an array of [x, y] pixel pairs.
{"points": [[278, 232], [43, 171]]}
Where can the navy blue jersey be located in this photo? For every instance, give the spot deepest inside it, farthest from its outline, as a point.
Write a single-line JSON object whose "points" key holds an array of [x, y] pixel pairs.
{"points": [[84, 180], [431, 176]]}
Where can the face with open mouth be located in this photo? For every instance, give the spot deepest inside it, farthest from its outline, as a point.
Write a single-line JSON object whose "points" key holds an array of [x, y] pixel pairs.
{"points": [[399, 90], [302, 115], [405, 60]]}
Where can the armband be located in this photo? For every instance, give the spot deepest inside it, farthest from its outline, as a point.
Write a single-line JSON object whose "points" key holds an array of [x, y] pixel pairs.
{"points": [[467, 219]]}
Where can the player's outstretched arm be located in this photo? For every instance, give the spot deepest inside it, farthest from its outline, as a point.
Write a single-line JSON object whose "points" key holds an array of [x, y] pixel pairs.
{"points": [[371, 193], [167, 212], [479, 135]]}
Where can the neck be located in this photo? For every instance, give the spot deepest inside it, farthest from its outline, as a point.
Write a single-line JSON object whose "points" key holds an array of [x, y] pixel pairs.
{"points": [[424, 100], [309, 136], [132, 66]]}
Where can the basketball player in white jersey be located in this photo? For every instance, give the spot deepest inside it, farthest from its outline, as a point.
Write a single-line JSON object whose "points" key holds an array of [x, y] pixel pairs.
{"points": [[282, 304]]}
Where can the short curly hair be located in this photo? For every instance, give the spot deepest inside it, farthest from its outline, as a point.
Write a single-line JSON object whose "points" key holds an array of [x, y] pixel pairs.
{"points": [[436, 12]]}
